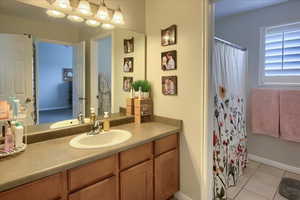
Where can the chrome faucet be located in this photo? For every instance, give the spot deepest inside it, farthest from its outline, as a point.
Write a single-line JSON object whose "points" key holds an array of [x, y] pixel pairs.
{"points": [[80, 118], [96, 128]]}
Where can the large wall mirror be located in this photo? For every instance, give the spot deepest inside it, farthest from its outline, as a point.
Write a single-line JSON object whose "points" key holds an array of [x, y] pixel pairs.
{"points": [[59, 68]]}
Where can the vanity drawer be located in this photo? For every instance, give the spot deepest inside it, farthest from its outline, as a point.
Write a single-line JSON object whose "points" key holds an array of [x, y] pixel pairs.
{"points": [[135, 156], [91, 173], [166, 144], [49, 188], [104, 190]]}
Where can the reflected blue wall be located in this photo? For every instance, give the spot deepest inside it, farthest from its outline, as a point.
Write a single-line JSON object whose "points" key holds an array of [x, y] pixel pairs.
{"points": [[53, 91]]}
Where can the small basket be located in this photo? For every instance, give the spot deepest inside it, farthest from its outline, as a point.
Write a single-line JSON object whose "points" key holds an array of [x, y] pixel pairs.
{"points": [[15, 150]]}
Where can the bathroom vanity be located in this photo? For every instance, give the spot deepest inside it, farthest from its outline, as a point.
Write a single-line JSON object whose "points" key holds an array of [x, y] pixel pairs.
{"points": [[145, 167]]}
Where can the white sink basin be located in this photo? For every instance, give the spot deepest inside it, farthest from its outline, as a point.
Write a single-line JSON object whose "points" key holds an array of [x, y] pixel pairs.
{"points": [[67, 123], [104, 139]]}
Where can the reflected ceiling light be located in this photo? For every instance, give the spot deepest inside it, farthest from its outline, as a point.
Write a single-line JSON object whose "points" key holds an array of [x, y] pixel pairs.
{"points": [[118, 17], [55, 13], [63, 4], [102, 13], [84, 8], [92, 22], [75, 18], [108, 26]]}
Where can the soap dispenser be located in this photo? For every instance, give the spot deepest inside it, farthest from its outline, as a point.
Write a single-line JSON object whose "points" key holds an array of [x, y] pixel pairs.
{"points": [[106, 123]]}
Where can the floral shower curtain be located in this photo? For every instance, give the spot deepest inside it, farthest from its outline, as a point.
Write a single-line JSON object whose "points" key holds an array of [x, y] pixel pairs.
{"points": [[229, 133]]}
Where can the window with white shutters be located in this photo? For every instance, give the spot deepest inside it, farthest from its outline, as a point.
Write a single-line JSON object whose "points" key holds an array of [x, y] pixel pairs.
{"points": [[281, 54]]}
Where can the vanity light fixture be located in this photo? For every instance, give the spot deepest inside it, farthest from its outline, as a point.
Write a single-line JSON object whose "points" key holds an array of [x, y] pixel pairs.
{"points": [[83, 12], [63, 4], [108, 26], [75, 18], [84, 8], [118, 17], [92, 22], [55, 13], [102, 13]]}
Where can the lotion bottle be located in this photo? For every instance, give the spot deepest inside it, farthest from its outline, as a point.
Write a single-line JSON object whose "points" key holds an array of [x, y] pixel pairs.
{"points": [[106, 123], [9, 140], [19, 134]]}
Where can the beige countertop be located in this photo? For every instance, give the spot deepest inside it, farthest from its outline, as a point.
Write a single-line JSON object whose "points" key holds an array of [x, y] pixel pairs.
{"points": [[52, 156]]}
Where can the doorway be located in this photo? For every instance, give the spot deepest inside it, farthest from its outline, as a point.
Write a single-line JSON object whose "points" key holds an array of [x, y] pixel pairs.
{"points": [[55, 82], [104, 66], [102, 74], [59, 81]]}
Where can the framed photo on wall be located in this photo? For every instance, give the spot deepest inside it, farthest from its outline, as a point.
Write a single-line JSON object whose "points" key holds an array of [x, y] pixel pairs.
{"points": [[169, 36], [127, 83], [129, 45], [169, 60], [128, 64], [169, 85], [67, 74]]}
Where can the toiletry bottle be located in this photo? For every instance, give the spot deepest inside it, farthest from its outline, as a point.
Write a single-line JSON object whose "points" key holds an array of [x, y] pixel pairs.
{"points": [[140, 93], [93, 116], [106, 122], [16, 107], [19, 134], [4, 110], [2, 133], [9, 140]]}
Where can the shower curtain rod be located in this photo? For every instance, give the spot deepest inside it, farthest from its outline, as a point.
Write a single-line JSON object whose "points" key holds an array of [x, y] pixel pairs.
{"points": [[230, 44]]}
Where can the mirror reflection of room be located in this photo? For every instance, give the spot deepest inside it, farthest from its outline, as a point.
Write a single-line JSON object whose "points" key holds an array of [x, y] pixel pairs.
{"points": [[66, 67], [55, 82]]}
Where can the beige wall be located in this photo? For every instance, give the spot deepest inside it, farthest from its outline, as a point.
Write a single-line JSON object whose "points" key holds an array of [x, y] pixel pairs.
{"points": [[188, 105], [119, 95], [40, 29], [245, 30]]}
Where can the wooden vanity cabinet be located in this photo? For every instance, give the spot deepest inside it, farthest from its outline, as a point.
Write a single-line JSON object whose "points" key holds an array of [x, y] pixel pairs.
{"points": [[146, 172], [166, 167], [49, 188], [166, 175], [104, 190], [136, 183]]}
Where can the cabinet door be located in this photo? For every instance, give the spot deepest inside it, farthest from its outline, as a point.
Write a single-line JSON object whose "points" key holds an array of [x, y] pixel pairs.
{"points": [[136, 183], [49, 188], [166, 175], [104, 190]]}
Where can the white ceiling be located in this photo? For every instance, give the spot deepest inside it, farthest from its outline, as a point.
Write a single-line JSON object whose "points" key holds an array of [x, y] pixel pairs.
{"points": [[226, 8]]}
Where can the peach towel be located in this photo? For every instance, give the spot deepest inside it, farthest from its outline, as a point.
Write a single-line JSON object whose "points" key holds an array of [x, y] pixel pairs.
{"points": [[290, 115], [265, 112]]}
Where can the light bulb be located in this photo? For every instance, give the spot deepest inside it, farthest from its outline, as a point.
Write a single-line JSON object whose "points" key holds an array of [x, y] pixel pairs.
{"points": [[75, 18], [118, 17], [55, 13], [92, 22], [108, 26], [84, 8], [63, 4], [102, 13]]}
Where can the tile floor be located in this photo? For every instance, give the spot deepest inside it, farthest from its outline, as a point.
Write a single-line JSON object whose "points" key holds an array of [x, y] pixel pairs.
{"points": [[260, 182]]}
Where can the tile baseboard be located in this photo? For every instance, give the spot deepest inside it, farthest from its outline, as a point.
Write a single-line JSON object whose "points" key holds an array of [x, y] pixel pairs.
{"points": [[181, 196], [274, 163]]}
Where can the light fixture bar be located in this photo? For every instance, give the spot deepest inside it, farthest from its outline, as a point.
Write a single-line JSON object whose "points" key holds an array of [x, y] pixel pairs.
{"points": [[82, 10]]}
